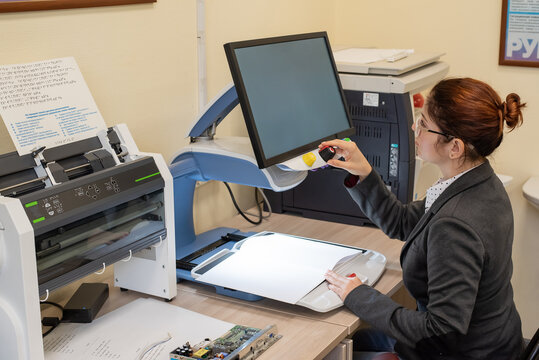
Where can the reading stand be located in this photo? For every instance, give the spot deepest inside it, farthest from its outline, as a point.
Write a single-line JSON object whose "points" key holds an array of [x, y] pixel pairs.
{"points": [[289, 108]]}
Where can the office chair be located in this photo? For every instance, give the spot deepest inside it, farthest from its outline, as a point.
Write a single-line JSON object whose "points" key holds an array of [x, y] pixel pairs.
{"points": [[532, 349]]}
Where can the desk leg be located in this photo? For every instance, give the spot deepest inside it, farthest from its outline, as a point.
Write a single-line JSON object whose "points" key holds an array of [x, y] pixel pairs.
{"points": [[343, 351]]}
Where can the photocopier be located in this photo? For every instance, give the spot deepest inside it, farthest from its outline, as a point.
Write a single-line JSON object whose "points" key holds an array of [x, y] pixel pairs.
{"points": [[379, 97]]}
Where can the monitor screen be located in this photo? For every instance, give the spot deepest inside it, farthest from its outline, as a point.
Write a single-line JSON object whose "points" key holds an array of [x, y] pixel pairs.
{"points": [[290, 94]]}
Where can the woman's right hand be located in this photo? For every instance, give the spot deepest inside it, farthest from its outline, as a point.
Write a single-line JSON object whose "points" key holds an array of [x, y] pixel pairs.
{"points": [[354, 160]]}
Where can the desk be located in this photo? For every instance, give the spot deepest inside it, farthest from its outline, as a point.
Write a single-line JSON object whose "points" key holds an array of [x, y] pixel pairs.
{"points": [[306, 334]]}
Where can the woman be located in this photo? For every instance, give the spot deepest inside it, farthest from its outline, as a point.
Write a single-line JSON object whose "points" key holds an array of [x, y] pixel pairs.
{"points": [[456, 259]]}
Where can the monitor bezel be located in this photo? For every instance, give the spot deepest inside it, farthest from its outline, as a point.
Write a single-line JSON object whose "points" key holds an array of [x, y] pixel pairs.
{"points": [[262, 160]]}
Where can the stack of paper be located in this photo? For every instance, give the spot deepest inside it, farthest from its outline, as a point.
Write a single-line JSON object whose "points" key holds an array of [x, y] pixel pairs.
{"points": [[367, 56], [47, 103]]}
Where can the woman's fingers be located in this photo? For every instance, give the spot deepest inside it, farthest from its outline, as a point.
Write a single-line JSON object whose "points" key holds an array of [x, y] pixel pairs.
{"points": [[339, 164], [337, 290], [341, 285], [354, 160], [335, 279], [340, 144]]}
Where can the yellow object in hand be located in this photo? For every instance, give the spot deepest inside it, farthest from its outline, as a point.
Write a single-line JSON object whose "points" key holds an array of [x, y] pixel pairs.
{"points": [[309, 159]]}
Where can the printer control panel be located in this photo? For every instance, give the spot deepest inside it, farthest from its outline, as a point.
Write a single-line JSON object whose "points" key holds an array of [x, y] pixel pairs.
{"points": [[58, 203], [72, 197], [94, 190]]}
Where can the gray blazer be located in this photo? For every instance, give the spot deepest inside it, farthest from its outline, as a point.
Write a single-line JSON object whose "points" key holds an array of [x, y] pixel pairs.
{"points": [[456, 263]]}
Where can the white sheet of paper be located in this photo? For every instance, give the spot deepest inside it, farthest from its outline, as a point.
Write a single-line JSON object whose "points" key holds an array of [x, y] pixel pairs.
{"points": [[366, 56], [126, 332], [277, 266], [47, 103]]}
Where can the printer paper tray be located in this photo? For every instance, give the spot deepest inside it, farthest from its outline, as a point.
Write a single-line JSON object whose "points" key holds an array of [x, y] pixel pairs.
{"points": [[82, 247], [107, 259]]}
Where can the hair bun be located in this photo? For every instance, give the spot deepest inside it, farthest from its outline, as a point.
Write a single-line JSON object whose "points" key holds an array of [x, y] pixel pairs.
{"points": [[512, 113]]}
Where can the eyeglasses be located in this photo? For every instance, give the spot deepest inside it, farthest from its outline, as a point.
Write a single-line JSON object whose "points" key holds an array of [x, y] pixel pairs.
{"points": [[419, 126]]}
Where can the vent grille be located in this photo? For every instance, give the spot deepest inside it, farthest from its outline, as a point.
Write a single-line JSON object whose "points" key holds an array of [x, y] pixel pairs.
{"points": [[369, 131], [374, 160], [357, 111]]}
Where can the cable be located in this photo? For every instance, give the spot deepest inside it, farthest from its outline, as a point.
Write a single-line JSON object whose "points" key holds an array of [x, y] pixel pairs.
{"points": [[51, 321], [268, 204], [53, 304], [265, 200], [240, 211], [150, 347]]}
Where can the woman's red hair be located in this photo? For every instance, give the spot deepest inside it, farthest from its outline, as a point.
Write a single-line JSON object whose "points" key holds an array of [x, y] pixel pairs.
{"points": [[472, 111]]}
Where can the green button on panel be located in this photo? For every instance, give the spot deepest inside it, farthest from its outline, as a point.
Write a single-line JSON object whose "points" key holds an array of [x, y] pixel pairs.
{"points": [[38, 220], [30, 204]]}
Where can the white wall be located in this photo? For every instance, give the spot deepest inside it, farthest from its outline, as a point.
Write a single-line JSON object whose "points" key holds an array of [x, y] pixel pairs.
{"points": [[469, 33]]}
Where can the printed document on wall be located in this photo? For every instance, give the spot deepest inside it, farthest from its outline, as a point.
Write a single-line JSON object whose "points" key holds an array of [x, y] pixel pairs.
{"points": [[47, 103]]}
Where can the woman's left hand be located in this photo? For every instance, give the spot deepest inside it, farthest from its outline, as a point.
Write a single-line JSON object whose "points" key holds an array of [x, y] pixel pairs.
{"points": [[341, 285]]}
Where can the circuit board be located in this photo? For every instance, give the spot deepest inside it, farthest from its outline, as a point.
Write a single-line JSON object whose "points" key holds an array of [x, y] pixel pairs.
{"points": [[239, 343]]}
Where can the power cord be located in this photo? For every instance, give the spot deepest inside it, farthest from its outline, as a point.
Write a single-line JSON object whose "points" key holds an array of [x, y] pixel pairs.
{"points": [[51, 321], [264, 200], [259, 207]]}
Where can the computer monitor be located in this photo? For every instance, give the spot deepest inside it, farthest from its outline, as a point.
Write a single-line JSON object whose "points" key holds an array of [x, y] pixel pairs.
{"points": [[290, 94]]}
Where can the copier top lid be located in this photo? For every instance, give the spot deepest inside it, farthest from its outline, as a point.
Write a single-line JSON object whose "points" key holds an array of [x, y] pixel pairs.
{"points": [[346, 63]]}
